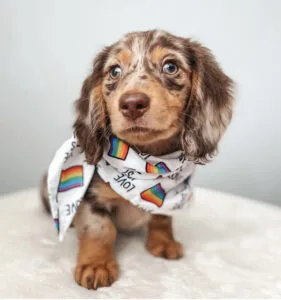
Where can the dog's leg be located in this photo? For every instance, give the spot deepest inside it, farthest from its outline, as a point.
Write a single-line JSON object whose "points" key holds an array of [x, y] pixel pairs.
{"points": [[160, 240], [96, 264]]}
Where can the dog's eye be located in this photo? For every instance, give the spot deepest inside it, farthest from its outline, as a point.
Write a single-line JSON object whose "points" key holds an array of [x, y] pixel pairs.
{"points": [[170, 68], [115, 72]]}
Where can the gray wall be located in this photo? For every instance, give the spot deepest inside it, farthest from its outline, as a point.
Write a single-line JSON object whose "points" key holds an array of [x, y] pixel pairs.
{"points": [[47, 48]]}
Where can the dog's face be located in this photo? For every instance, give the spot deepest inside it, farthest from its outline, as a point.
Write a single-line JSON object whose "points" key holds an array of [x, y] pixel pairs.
{"points": [[153, 86], [145, 86]]}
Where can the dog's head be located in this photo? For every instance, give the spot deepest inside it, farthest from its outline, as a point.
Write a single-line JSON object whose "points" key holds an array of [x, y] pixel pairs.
{"points": [[153, 86]]}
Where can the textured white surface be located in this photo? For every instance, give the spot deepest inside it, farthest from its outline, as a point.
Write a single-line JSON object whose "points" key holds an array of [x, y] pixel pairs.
{"points": [[232, 249]]}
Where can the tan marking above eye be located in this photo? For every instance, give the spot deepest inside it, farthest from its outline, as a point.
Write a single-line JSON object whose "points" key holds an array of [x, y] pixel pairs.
{"points": [[158, 53], [125, 57]]}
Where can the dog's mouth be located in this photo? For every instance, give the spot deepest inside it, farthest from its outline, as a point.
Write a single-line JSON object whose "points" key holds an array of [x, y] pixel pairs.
{"points": [[137, 129], [140, 130], [142, 135]]}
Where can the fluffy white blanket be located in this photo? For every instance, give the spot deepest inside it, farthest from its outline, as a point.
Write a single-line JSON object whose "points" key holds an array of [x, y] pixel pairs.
{"points": [[232, 249]]}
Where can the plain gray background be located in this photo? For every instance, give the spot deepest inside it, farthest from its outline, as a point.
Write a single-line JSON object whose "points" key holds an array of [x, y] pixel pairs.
{"points": [[47, 48]]}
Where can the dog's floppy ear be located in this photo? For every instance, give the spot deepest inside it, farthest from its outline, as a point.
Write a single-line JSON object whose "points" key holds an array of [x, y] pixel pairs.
{"points": [[209, 107], [91, 125]]}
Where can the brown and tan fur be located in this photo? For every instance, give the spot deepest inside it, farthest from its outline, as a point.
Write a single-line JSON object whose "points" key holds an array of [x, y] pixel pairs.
{"points": [[189, 110]]}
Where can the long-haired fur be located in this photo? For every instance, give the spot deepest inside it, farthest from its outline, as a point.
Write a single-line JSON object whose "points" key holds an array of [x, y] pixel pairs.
{"points": [[91, 125], [209, 108]]}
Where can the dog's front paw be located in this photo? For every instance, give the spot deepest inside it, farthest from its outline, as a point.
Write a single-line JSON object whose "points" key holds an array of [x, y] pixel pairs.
{"points": [[167, 249], [95, 275]]}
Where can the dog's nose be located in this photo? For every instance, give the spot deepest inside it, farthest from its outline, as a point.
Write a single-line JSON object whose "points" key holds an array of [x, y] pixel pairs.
{"points": [[134, 106]]}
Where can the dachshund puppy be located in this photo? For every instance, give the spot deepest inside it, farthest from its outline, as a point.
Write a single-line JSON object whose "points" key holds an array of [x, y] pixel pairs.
{"points": [[159, 93]]}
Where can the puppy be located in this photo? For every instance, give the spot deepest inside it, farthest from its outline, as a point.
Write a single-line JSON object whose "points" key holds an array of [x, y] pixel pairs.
{"points": [[158, 93]]}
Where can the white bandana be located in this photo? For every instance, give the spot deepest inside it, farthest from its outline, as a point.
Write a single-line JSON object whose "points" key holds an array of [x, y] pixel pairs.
{"points": [[154, 184]]}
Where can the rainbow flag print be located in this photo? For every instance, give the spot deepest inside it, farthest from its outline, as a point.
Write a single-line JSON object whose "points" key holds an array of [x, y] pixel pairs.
{"points": [[159, 168], [155, 195], [71, 178], [118, 149], [57, 224]]}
